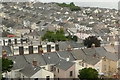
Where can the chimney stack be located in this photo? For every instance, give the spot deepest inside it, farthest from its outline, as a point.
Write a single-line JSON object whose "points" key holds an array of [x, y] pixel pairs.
{"points": [[34, 62], [94, 55], [69, 48], [4, 54], [104, 58]]}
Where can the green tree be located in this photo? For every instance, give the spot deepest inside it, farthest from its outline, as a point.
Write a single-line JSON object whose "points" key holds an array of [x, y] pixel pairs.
{"points": [[92, 40], [54, 36], [71, 6], [88, 74], [6, 65]]}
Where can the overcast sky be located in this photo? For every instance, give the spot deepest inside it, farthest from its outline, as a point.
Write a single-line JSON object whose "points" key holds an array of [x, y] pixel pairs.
{"points": [[113, 4], [79, 0]]}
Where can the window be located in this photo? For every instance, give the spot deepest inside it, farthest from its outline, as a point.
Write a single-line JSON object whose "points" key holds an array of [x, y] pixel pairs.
{"points": [[9, 40], [47, 77], [43, 67], [85, 65], [58, 70], [104, 67], [52, 68], [71, 73], [52, 47], [36, 79], [82, 64]]}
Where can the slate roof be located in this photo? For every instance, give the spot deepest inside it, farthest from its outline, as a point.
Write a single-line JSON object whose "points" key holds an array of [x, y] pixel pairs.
{"points": [[64, 65], [89, 51], [29, 70], [19, 62], [110, 48], [51, 58], [106, 30], [103, 53], [100, 52], [78, 54], [74, 44], [91, 60], [37, 57], [66, 54], [34, 33], [38, 4], [63, 45]]}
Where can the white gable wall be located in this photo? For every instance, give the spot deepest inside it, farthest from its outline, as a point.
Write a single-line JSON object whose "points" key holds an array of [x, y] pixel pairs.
{"points": [[42, 74]]}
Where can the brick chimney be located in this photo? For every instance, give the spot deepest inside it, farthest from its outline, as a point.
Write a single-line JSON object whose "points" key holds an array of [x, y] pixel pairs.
{"points": [[4, 54], [41, 50], [69, 48], [94, 55], [34, 62]]}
